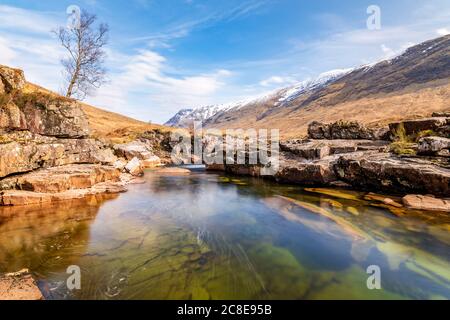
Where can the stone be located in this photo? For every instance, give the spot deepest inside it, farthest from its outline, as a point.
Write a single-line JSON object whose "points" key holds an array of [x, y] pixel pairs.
{"points": [[421, 202], [173, 171], [63, 178], [25, 151], [413, 127], [153, 161], [133, 149], [11, 79], [53, 117], [134, 167], [340, 130], [385, 172], [317, 149], [441, 114], [433, 145], [19, 286]]}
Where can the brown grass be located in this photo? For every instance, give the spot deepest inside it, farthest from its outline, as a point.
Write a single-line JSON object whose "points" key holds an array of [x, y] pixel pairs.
{"points": [[105, 124]]}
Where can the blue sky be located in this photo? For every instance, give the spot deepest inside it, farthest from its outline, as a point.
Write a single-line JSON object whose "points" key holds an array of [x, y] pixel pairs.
{"points": [[167, 55]]}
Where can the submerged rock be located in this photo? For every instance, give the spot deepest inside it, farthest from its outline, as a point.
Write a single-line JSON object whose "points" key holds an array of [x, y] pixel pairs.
{"points": [[173, 171], [19, 286], [421, 202]]}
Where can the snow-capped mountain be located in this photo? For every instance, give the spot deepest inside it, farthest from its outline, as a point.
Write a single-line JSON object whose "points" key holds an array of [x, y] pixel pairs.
{"points": [[410, 84], [186, 117]]}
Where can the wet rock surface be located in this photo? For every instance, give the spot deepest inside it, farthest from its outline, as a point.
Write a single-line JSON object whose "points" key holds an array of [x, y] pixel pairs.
{"points": [[19, 286]]}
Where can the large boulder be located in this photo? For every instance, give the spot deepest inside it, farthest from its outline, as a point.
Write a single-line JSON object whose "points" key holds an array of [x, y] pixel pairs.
{"points": [[134, 167], [63, 178], [381, 171], [344, 130], [413, 127], [318, 149], [433, 145], [11, 79], [24, 151], [134, 149]]}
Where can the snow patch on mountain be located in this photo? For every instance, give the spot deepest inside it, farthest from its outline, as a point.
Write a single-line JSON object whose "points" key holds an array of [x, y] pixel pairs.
{"points": [[308, 85]]}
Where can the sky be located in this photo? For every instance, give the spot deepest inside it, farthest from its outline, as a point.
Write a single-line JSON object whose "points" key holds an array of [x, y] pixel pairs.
{"points": [[166, 55]]}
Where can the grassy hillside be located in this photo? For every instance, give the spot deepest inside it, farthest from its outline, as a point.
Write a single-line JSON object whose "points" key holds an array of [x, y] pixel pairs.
{"points": [[412, 85], [105, 124]]}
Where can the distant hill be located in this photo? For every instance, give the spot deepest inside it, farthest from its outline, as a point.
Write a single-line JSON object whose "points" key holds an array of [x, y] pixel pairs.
{"points": [[412, 85]]}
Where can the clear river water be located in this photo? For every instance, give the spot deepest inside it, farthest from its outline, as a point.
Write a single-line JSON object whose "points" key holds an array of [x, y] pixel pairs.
{"points": [[212, 236]]}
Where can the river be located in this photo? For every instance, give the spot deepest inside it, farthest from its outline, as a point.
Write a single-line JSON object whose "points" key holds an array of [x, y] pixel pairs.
{"points": [[212, 236]]}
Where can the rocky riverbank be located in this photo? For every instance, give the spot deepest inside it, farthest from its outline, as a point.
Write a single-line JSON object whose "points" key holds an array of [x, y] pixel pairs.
{"points": [[48, 155], [410, 157]]}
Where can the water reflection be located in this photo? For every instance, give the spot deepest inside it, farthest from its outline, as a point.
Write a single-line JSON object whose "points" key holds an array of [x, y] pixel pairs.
{"points": [[207, 236]]}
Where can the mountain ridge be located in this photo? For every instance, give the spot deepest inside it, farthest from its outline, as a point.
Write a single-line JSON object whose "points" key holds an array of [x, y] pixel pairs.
{"points": [[410, 85]]}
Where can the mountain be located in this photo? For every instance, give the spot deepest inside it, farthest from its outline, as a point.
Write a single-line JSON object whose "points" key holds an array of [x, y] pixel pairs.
{"points": [[411, 85]]}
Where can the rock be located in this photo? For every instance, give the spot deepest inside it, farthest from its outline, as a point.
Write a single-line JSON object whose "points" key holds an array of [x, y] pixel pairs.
{"points": [[441, 114], [341, 130], [415, 126], [134, 167], [308, 149], [381, 171], [318, 149], [133, 149], [153, 161], [172, 171], [24, 151], [47, 116], [21, 197], [433, 145], [19, 286], [58, 179], [120, 164], [305, 173], [421, 202], [11, 79]]}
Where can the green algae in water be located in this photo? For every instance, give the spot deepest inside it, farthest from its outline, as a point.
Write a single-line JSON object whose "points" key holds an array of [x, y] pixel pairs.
{"points": [[208, 236]]}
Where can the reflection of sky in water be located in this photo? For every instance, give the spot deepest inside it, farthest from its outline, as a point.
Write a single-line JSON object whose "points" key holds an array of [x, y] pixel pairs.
{"points": [[206, 236]]}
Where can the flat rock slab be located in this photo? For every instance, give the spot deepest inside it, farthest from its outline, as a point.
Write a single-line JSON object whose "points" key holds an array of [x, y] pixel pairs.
{"points": [[172, 171], [64, 178], [19, 286], [416, 126], [382, 171], [421, 202]]}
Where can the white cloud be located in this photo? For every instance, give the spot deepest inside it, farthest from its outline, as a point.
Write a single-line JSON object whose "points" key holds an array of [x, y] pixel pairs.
{"points": [[26, 20]]}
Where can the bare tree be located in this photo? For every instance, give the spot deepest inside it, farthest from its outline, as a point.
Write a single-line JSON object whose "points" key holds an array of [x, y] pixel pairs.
{"points": [[85, 44]]}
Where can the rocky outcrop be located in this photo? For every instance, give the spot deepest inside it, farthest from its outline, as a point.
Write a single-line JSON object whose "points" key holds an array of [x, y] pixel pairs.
{"points": [[38, 112], [318, 149], [25, 151], [382, 171], [413, 127], [11, 79], [344, 130], [19, 286], [134, 149], [428, 203], [433, 145], [60, 183]]}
